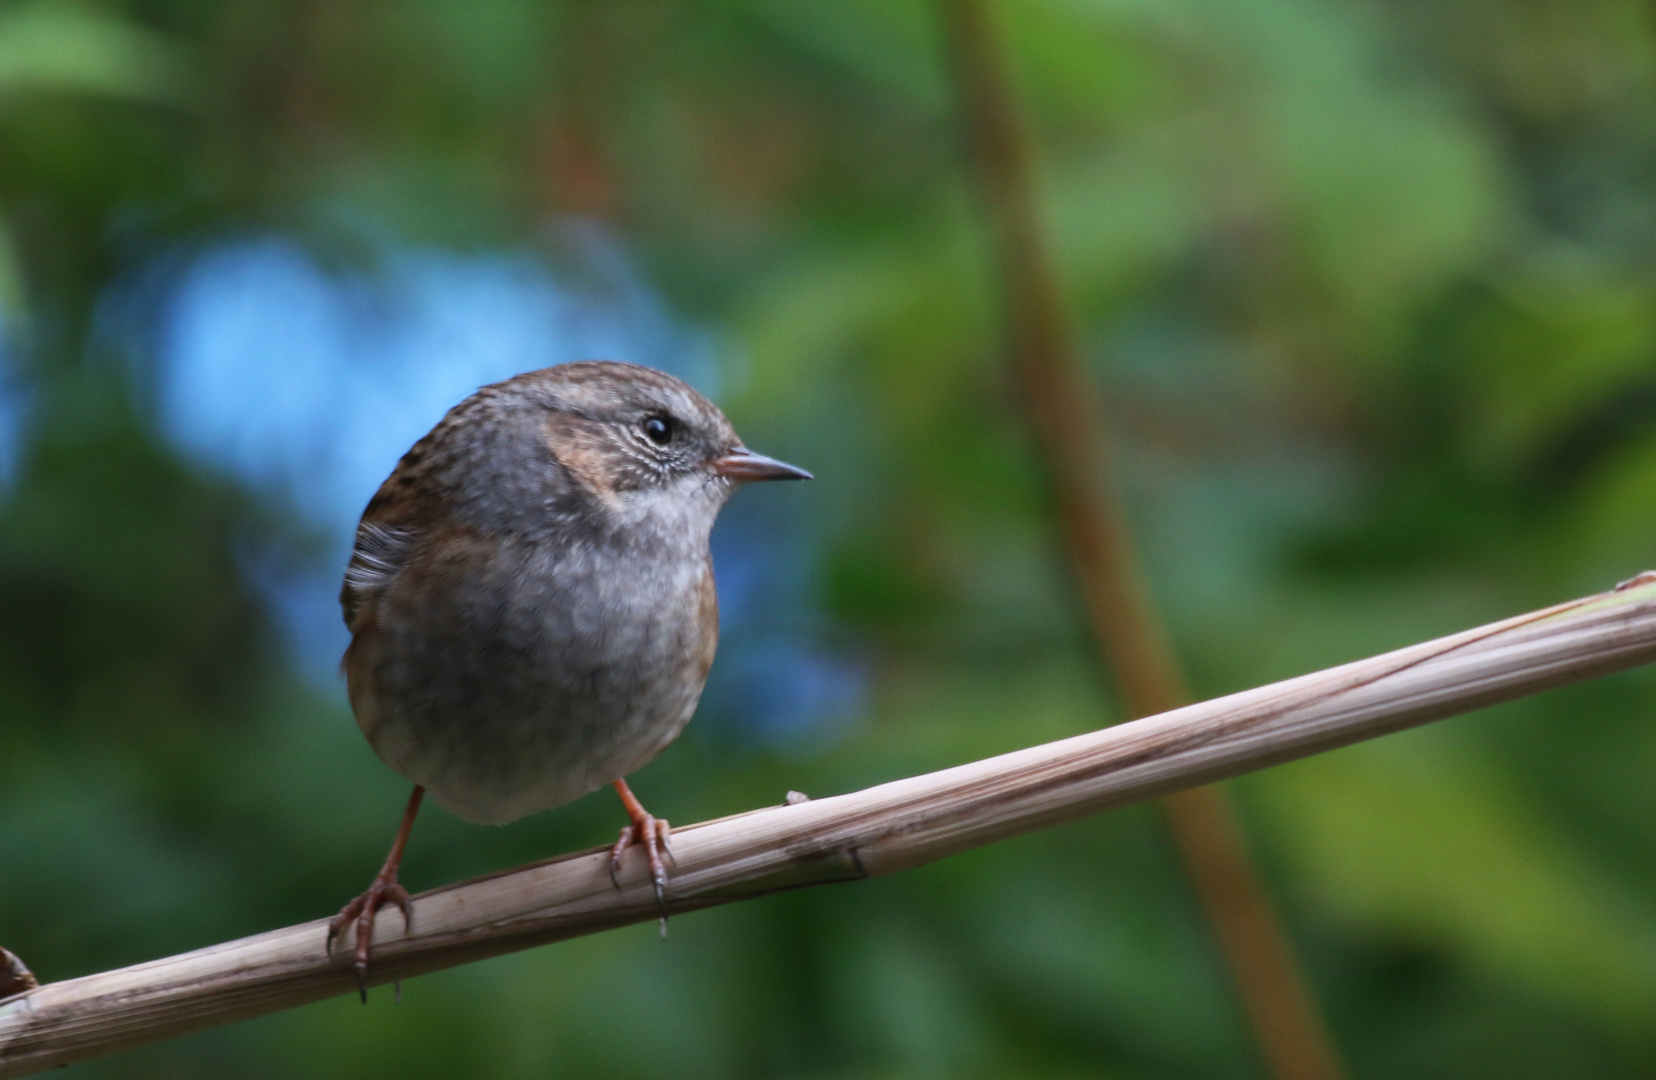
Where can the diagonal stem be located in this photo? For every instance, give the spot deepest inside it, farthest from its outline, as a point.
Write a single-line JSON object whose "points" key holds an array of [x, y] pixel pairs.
{"points": [[881, 830]]}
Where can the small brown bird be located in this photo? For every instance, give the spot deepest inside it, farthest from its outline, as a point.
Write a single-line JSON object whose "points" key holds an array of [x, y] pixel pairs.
{"points": [[531, 600]]}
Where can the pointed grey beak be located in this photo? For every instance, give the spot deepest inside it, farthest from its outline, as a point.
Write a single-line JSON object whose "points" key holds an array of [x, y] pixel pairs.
{"points": [[743, 464]]}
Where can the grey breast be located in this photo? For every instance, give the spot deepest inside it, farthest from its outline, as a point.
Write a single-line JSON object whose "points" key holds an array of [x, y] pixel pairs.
{"points": [[516, 673]]}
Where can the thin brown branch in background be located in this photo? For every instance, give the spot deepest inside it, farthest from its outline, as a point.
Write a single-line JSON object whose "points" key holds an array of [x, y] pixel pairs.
{"points": [[878, 831], [1132, 641]]}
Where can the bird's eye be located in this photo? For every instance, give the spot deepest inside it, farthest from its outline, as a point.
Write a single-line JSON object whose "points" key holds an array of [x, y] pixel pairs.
{"points": [[658, 429]]}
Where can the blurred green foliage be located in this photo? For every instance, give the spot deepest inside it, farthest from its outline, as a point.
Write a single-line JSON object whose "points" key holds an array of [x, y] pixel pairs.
{"points": [[1370, 286]]}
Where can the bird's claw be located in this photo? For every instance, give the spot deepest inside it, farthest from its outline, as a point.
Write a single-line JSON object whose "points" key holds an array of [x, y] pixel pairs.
{"points": [[15, 977], [362, 910], [654, 835]]}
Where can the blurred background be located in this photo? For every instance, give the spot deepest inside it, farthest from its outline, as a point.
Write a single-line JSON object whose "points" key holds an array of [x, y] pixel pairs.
{"points": [[1368, 288]]}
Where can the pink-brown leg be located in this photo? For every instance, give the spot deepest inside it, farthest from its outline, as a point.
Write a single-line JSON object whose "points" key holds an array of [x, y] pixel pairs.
{"points": [[651, 833], [383, 890]]}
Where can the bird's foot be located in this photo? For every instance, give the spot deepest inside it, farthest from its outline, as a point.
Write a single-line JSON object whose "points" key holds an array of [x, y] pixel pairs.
{"points": [[15, 978], [654, 835], [362, 910]]}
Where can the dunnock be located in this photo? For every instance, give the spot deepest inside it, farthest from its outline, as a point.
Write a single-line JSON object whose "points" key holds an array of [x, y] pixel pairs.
{"points": [[531, 600]]}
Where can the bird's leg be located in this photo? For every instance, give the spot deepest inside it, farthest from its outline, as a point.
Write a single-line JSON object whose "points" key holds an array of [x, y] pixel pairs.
{"points": [[651, 833], [384, 889]]}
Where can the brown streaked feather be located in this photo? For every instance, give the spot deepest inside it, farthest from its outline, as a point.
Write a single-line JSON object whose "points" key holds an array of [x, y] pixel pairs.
{"points": [[390, 530]]}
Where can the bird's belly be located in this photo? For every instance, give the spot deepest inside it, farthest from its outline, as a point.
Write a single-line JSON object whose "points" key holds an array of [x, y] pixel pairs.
{"points": [[495, 767], [534, 703]]}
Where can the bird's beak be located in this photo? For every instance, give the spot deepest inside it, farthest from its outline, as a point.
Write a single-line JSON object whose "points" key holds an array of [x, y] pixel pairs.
{"points": [[743, 464]]}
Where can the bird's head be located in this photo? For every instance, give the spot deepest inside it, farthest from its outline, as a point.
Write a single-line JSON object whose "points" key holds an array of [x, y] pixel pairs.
{"points": [[644, 443]]}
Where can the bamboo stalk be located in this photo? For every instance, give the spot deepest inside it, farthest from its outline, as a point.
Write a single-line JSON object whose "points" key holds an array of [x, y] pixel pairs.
{"points": [[1132, 641], [877, 831]]}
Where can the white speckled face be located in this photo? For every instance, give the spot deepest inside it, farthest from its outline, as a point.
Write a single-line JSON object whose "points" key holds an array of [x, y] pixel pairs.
{"points": [[629, 439], [684, 505]]}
